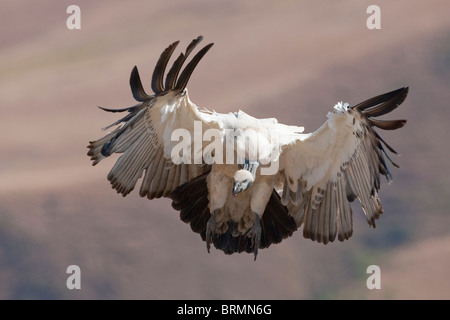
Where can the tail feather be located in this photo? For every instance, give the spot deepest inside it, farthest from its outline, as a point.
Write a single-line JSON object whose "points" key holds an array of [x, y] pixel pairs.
{"points": [[191, 199]]}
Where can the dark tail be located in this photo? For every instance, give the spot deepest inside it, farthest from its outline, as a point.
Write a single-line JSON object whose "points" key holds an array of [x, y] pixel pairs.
{"points": [[191, 199]]}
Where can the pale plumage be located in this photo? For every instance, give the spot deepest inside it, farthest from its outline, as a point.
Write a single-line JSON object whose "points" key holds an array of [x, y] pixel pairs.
{"points": [[224, 175]]}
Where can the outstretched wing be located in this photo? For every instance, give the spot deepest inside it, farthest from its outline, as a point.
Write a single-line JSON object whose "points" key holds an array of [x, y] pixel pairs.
{"points": [[338, 163], [144, 135]]}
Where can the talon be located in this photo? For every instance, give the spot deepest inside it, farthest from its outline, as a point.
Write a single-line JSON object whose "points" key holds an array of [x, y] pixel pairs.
{"points": [[210, 226]]}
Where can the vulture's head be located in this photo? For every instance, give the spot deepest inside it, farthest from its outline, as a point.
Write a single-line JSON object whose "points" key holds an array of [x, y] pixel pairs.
{"points": [[242, 179]]}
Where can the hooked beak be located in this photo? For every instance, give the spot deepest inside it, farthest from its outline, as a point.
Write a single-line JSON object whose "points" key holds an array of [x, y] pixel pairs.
{"points": [[236, 188]]}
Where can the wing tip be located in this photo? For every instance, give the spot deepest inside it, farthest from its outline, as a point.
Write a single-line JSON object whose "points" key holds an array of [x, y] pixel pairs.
{"points": [[403, 93], [173, 82], [160, 68], [383, 103]]}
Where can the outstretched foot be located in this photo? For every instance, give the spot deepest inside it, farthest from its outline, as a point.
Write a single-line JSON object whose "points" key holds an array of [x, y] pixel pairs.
{"points": [[210, 226], [255, 233]]}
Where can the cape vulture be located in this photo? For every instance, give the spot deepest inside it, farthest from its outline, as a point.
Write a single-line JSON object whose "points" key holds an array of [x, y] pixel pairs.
{"points": [[244, 183]]}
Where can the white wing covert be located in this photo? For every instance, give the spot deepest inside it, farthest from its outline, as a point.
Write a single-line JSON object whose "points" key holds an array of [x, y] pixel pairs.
{"points": [[341, 161]]}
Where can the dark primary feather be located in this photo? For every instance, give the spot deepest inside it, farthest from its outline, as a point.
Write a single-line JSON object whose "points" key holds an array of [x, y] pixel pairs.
{"points": [[385, 143], [130, 109], [132, 112], [387, 124], [136, 86], [176, 67], [129, 120], [187, 72], [158, 72], [382, 104], [377, 106]]}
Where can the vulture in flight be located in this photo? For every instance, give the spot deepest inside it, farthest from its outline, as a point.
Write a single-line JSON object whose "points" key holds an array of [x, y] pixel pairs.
{"points": [[244, 183]]}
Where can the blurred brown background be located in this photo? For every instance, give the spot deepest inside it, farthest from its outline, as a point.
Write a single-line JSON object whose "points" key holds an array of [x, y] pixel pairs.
{"points": [[289, 59]]}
